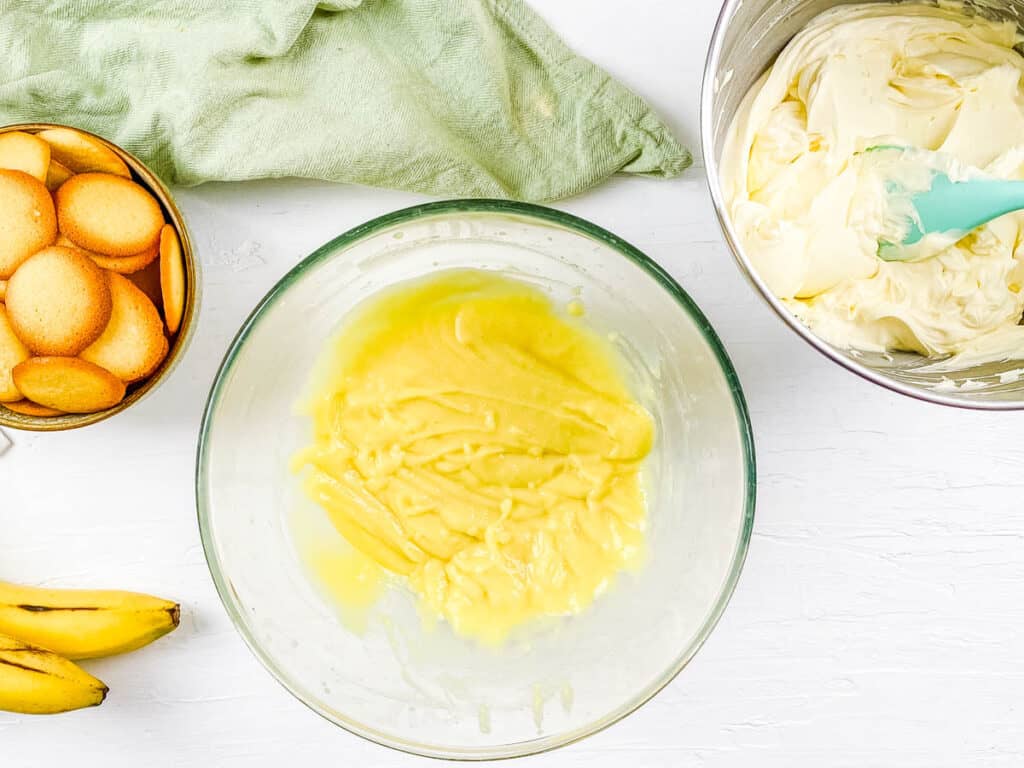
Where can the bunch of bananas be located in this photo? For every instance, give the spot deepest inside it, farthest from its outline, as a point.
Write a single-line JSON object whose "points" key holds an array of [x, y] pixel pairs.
{"points": [[42, 630]]}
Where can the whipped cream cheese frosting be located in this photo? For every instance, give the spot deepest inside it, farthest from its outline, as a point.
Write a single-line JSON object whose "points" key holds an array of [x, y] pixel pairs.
{"points": [[808, 206]]}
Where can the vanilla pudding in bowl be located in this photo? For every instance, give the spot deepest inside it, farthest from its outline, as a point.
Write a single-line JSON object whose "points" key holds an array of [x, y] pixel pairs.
{"points": [[788, 137], [476, 555], [479, 447]]}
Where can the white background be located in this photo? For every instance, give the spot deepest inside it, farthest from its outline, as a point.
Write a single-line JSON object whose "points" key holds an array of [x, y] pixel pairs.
{"points": [[880, 616]]}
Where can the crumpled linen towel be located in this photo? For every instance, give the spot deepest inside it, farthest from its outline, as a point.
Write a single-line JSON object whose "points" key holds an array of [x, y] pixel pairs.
{"points": [[447, 97]]}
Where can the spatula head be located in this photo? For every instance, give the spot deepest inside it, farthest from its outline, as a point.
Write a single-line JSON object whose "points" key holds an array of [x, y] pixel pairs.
{"points": [[932, 200]]}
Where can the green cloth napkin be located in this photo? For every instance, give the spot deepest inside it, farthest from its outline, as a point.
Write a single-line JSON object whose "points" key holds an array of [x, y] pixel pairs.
{"points": [[448, 97]]}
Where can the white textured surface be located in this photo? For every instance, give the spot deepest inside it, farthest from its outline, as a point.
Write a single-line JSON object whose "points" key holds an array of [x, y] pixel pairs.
{"points": [[879, 620]]}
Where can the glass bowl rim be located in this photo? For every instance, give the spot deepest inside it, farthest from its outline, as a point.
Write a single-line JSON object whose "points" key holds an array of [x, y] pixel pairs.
{"points": [[544, 215]]}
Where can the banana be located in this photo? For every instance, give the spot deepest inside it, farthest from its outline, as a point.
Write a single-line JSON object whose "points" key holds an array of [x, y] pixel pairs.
{"points": [[84, 624], [34, 681]]}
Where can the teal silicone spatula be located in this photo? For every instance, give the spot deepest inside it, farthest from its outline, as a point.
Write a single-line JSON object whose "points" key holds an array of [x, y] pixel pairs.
{"points": [[931, 210]]}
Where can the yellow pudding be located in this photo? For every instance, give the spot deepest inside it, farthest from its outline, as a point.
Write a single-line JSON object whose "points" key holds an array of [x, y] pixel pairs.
{"points": [[475, 441]]}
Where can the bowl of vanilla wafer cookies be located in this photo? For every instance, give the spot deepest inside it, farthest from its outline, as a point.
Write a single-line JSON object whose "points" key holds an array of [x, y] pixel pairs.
{"points": [[98, 282]]}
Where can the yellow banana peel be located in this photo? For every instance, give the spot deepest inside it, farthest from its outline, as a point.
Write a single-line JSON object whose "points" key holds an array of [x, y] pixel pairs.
{"points": [[84, 624], [35, 681]]}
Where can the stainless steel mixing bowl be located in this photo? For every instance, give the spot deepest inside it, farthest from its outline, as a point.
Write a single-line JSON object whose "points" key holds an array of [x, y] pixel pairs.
{"points": [[746, 40]]}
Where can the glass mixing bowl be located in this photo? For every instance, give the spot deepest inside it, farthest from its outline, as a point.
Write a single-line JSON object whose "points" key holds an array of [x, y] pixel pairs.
{"points": [[425, 690]]}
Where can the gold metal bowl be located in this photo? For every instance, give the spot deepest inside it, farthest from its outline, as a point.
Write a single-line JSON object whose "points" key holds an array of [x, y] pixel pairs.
{"points": [[142, 175]]}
